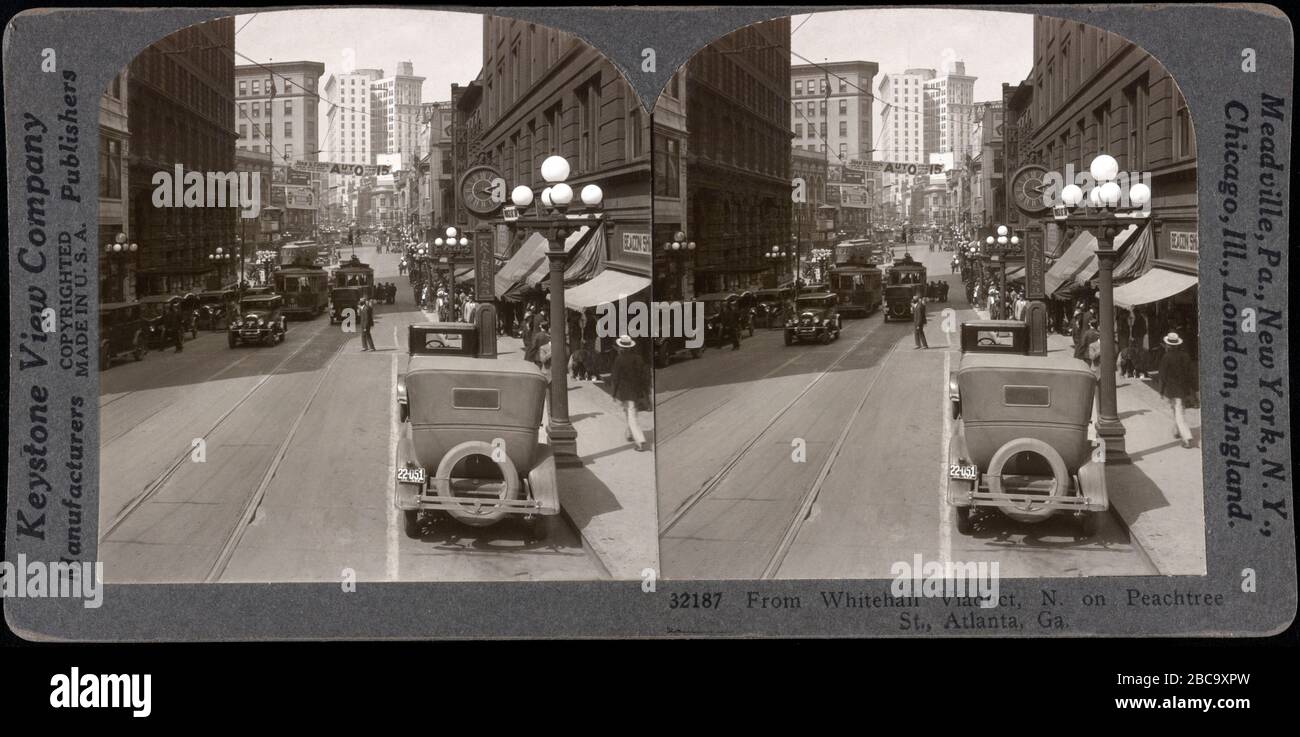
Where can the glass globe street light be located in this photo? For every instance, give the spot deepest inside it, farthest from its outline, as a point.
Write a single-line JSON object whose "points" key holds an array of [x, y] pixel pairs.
{"points": [[555, 218], [1105, 212]]}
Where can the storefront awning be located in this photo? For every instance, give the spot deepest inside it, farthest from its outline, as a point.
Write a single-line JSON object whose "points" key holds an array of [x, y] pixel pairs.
{"points": [[1153, 286], [607, 286], [464, 275], [1071, 263], [1016, 274], [529, 266]]}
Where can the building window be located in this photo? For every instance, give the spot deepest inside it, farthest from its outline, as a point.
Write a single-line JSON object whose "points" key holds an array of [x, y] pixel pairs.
{"points": [[844, 107], [288, 107], [110, 168], [798, 86], [636, 132], [243, 88], [257, 87], [1184, 135], [243, 131], [667, 166], [798, 130], [1136, 98], [589, 126]]}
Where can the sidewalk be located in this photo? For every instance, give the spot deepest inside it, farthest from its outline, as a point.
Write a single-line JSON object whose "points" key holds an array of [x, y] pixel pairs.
{"points": [[1160, 496], [610, 500]]}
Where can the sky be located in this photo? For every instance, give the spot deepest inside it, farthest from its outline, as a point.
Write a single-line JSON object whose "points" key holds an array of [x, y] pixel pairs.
{"points": [[443, 47], [997, 47]]}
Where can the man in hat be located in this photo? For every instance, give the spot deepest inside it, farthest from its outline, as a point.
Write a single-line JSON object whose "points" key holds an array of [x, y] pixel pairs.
{"points": [[629, 386], [366, 318], [918, 322], [1177, 380]]}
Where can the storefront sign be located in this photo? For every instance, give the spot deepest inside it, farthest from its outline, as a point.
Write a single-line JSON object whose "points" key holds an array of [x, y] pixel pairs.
{"points": [[328, 167], [637, 244], [1183, 241], [485, 269], [299, 197], [1035, 266]]}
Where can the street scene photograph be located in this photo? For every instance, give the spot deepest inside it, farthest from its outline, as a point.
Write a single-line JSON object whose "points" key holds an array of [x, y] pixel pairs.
{"points": [[948, 263], [351, 263]]}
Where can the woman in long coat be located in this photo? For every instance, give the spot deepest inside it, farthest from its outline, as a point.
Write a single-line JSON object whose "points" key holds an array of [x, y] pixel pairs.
{"points": [[1177, 379]]}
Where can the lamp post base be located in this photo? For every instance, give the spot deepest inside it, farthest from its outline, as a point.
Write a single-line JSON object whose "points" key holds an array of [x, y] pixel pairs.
{"points": [[563, 439], [1111, 435]]}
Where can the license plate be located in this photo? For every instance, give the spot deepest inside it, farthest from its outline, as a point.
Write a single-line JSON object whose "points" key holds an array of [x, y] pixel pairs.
{"points": [[962, 471], [411, 476]]}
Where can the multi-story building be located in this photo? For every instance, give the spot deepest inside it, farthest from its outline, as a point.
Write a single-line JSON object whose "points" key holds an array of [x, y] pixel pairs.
{"points": [[395, 108], [738, 166], [991, 206], [1094, 92], [831, 109], [116, 269], [437, 201], [277, 114], [902, 134], [674, 269], [831, 115], [545, 92], [810, 167], [348, 138], [260, 233], [181, 107], [948, 109]]}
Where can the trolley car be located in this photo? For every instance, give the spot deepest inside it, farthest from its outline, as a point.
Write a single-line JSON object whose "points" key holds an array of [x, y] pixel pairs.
{"points": [[305, 289], [857, 289], [906, 279], [354, 273]]}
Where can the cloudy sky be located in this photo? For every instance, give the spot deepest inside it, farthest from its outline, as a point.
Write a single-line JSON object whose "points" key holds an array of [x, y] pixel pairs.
{"points": [[443, 47]]}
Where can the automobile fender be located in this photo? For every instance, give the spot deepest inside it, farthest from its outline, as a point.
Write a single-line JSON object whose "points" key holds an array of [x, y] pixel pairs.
{"points": [[1092, 484], [1060, 474], [405, 496], [542, 483]]}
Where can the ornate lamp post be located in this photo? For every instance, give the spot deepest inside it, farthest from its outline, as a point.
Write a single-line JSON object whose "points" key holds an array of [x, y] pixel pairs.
{"points": [[118, 252], [220, 258], [1104, 215], [680, 249], [450, 242], [997, 250], [556, 221]]}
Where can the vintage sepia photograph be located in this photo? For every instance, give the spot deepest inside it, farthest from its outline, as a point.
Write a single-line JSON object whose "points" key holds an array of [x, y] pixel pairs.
{"points": [[948, 260], [351, 266]]}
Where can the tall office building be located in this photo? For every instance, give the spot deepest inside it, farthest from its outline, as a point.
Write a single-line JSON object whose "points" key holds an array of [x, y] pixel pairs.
{"points": [[347, 137], [949, 116], [902, 134], [395, 105], [831, 108]]}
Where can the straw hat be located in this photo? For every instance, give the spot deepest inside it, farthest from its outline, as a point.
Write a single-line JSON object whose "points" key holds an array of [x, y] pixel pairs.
{"points": [[1173, 339], [625, 341]]}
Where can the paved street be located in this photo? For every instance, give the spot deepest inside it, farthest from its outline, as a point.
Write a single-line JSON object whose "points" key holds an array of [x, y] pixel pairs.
{"points": [[870, 413], [296, 485]]}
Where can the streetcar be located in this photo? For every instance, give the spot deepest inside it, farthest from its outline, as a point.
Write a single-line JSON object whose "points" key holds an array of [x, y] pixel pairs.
{"points": [[305, 289], [857, 288], [299, 253], [905, 279], [354, 273]]}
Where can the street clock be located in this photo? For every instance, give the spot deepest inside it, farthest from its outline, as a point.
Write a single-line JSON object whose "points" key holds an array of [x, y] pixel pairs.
{"points": [[1027, 189], [476, 191]]}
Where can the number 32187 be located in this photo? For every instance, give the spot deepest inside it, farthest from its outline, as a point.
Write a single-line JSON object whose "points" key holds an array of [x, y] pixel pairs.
{"points": [[694, 600]]}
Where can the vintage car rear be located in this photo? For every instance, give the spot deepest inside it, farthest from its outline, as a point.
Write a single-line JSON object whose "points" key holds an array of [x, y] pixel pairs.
{"points": [[470, 442], [343, 299], [1020, 443]]}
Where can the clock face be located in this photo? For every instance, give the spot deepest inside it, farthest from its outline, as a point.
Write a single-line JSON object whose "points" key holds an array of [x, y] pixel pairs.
{"points": [[1027, 190], [476, 190]]}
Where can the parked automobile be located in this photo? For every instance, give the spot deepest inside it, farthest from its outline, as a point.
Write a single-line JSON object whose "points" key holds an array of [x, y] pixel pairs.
{"points": [[260, 319], [213, 308], [122, 331], [1020, 438], [816, 317], [665, 347], [154, 311], [470, 444]]}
